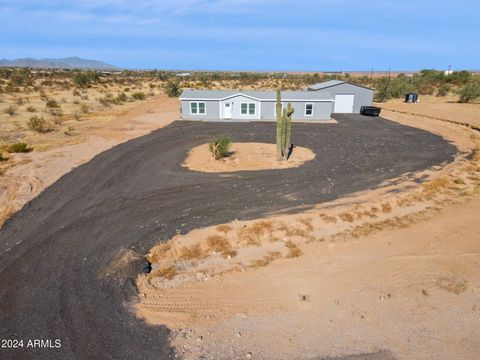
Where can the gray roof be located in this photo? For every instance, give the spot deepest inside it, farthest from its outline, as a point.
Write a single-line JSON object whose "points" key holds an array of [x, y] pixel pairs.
{"points": [[260, 95], [328, 84]]}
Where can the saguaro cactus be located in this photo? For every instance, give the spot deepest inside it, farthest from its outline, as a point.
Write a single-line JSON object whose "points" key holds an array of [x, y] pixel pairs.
{"points": [[279, 125], [284, 128]]}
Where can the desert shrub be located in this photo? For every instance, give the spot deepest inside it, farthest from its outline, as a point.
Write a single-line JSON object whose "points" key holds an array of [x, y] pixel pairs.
{"points": [[220, 146], [2, 158], [84, 108], [138, 95], [443, 90], [122, 97], [470, 92], [172, 88], [459, 77], [52, 104], [20, 147], [31, 109], [57, 120], [20, 101], [106, 102], [77, 116], [76, 93], [10, 110], [85, 78], [70, 131], [38, 124]]}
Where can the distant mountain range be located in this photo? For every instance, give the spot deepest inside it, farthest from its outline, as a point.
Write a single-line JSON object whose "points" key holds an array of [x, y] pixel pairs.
{"points": [[66, 63]]}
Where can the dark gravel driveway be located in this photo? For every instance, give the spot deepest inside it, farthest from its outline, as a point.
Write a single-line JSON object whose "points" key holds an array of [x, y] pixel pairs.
{"points": [[54, 251]]}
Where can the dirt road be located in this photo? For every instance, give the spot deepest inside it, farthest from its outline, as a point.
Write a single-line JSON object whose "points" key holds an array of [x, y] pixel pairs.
{"points": [[69, 258]]}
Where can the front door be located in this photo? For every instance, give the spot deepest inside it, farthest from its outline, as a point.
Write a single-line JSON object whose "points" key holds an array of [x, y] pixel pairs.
{"points": [[227, 111]]}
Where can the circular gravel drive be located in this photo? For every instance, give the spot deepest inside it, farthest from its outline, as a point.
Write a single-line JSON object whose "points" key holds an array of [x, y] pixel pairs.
{"points": [[54, 253]]}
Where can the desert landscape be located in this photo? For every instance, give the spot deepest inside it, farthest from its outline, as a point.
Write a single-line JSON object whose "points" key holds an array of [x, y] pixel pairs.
{"points": [[246, 256]]}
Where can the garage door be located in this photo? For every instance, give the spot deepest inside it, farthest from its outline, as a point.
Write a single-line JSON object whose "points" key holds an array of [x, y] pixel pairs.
{"points": [[344, 104]]}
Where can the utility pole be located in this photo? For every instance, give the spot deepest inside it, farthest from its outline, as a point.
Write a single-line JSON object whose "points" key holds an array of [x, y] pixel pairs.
{"points": [[371, 76], [449, 68]]}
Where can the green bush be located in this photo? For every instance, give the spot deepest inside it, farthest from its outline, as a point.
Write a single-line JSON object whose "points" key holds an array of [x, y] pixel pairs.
{"points": [[38, 124], [470, 92], [2, 158], [139, 95], [172, 88], [85, 78], [20, 147], [443, 90], [220, 146], [31, 109]]}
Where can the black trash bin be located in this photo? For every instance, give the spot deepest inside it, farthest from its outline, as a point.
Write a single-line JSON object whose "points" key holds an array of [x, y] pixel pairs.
{"points": [[411, 98], [370, 110]]}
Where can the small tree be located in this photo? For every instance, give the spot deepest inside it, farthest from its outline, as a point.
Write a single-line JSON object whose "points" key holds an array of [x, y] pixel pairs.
{"points": [[172, 88]]}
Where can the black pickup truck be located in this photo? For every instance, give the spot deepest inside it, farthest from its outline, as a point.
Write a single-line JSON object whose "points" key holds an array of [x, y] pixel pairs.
{"points": [[370, 110]]}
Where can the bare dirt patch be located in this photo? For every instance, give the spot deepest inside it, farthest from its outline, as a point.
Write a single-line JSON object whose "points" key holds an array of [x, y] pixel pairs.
{"points": [[445, 108], [245, 157], [25, 175]]}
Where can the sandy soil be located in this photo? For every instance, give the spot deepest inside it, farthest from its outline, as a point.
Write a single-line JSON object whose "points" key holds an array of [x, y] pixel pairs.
{"points": [[445, 108], [26, 175], [245, 157], [391, 269], [413, 291]]}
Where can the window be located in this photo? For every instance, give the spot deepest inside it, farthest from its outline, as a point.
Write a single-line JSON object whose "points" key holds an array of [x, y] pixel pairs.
{"points": [[197, 108], [247, 108], [244, 109], [308, 109]]}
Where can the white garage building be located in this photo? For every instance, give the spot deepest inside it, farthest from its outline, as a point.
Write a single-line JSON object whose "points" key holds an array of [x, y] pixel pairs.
{"points": [[349, 98]]}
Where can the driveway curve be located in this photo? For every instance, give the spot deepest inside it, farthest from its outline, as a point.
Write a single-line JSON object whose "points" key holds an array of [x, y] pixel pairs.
{"points": [[55, 251]]}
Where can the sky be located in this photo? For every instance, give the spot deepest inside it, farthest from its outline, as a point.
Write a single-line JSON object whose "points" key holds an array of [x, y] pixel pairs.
{"points": [[263, 35]]}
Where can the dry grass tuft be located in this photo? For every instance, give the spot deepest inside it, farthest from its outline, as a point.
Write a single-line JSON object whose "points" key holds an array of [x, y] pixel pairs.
{"points": [[307, 222], [191, 252], [266, 260], [253, 235], [328, 219], [346, 217], [293, 250], [386, 208], [220, 244], [224, 228], [167, 272], [435, 186], [159, 252]]}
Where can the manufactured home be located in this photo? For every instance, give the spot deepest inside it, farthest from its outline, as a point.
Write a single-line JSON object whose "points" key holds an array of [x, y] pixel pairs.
{"points": [[349, 98], [316, 104], [231, 105]]}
